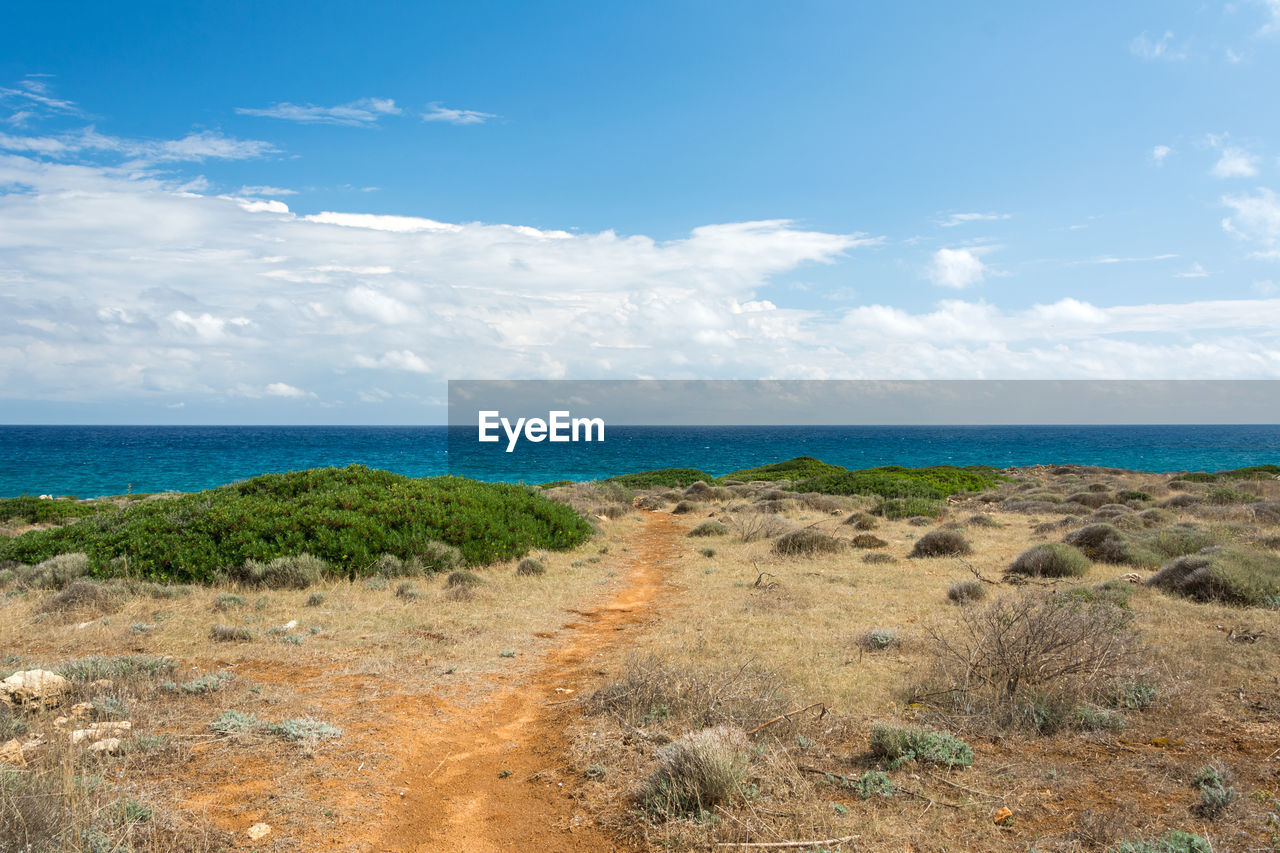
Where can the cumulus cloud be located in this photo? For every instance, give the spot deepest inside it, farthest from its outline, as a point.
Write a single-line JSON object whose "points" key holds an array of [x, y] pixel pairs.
{"points": [[1235, 163], [361, 113], [439, 112], [1256, 217], [1160, 153], [958, 268], [283, 389]]}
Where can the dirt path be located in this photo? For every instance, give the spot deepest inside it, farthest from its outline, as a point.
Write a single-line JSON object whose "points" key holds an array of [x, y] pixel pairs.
{"points": [[495, 777]]}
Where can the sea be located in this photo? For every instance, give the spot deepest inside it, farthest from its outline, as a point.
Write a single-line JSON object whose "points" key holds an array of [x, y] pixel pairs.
{"points": [[92, 461]]}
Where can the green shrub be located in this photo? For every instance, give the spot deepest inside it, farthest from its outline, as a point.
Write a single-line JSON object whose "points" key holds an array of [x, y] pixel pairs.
{"points": [[800, 468], [97, 667], [32, 510], [1133, 695], [671, 478], [896, 509], [697, 772], [711, 527], [316, 598], [899, 745], [941, 543], [1173, 841], [211, 683], [231, 722], [1050, 560], [862, 521], [1132, 495], [1227, 496], [868, 540], [879, 639], [304, 728], [79, 595], [294, 572], [1241, 577], [347, 517], [1216, 793], [933, 483], [55, 572]]}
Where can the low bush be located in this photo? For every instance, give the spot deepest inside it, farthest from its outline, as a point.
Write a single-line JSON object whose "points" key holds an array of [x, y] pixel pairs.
{"points": [[710, 527], [697, 772], [116, 667], [941, 543], [529, 567], [862, 521], [795, 470], [1092, 500], [229, 634], [304, 728], [878, 557], [463, 578], [1050, 560], [30, 509], [867, 540], [966, 592], [1026, 661], [297, 571], [807, 542], [1227, 496], [898, 745], [879, 639], [685, 507], [1216, 793], [82, 595], [1235, 576]]}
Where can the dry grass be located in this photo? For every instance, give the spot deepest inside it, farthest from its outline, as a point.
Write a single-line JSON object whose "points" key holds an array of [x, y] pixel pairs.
{"points": [[1082, 787], [359, 658]]}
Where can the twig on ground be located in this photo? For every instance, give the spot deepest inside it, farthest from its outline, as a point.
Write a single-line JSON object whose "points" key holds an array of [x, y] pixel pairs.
{"points": [[777, 845], [790, 714]]}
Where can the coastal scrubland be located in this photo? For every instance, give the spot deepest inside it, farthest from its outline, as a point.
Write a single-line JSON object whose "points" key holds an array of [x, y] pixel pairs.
{"points": [[1058, 658]]}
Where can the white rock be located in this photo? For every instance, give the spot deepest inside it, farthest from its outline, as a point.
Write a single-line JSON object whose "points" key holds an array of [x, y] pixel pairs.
{"points": [[35, 687], [83, 709], [291, 624], [257, 831], [99, 731], [11, 753], [106, 746]]}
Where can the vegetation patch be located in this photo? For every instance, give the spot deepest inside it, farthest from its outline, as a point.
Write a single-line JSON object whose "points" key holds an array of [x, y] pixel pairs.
{"points": [[1241, 577], [346, 517], [934, 483], [795, 470], [941, 543], [697, 772], [670, 478], [1050, 560], [806, 542], [896, 509], [33, 510], [709, 528], [898, 745]]}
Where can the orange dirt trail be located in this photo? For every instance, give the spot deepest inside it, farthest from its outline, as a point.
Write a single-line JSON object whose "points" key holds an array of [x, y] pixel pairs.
{"points": [[496, 776]]}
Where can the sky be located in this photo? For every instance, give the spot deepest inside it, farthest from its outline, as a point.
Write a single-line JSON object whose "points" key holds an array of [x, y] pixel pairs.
{"points": [[316, 212]]}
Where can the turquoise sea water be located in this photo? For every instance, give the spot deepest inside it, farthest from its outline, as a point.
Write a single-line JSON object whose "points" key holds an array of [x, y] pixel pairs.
{"points": [[89, 461]]}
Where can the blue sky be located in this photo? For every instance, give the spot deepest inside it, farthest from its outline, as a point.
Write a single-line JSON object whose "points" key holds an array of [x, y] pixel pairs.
{"points": [[319, 212]]}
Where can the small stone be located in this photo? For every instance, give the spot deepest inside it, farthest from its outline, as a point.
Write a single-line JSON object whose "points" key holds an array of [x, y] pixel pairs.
{"points": [[106, 746], [258, 831], [1003, 815], [83, 709], [100, 731], [291, 624], [11, 753], [59, 722]]}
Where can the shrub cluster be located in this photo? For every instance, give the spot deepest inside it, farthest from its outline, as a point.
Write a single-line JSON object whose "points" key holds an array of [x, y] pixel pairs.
{"points": [[347, 517]]}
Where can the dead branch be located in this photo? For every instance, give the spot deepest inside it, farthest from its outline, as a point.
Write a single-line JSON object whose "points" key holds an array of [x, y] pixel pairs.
{"points": [[790, 714], [778, 845]]}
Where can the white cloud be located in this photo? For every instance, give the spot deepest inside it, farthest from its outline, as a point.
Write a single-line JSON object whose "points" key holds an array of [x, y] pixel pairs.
{"points": [[1159, 153], [958, 268], [1196, 271], [1111, 259], [1272, 24], [281, 389], [964, 218], [265, 191], [1144, 47], [361, 113], [1256, 218], [439, 112], [1235, 163], [194, 147]]}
